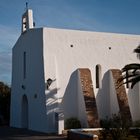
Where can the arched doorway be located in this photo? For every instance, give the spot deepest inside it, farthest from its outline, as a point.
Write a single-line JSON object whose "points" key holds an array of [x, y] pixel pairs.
{"points": [[24, 113]]}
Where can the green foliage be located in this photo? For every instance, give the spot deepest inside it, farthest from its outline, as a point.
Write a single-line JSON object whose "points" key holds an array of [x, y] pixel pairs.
{"points": [[116, 128], [4, 103], [131, 72], [136, 132], [136, 124], [72, 123]]}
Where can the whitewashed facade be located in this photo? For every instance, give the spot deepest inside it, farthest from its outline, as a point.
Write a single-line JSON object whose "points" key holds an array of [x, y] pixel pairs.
{"points": [[47, 53]]}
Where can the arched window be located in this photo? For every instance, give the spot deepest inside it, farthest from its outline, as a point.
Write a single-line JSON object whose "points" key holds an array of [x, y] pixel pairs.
{"points": [[98, 76], [24, 65]]}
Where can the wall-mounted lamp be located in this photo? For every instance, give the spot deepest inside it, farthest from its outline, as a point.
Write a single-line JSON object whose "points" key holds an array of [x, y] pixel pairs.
{"points": [[49, 82]]}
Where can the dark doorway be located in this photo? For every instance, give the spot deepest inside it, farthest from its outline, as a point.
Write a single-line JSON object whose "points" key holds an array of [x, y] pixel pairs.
{"points": [[24, 113]]}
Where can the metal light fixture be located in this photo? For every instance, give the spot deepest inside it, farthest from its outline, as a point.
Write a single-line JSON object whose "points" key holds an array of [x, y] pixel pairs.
{"points": [[49, 82]]}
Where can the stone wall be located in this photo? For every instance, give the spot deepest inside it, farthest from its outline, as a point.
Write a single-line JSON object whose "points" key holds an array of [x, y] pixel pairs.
{"points": [[121, 95], [89, 98]]}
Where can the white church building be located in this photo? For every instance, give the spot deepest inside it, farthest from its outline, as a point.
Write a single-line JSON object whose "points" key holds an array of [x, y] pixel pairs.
{"points": [[58, 74]]}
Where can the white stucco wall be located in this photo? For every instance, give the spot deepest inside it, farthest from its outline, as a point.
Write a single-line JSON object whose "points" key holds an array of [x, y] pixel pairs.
{"points": [[30, 42], [134, 101], [50, 54], [111, 51]]}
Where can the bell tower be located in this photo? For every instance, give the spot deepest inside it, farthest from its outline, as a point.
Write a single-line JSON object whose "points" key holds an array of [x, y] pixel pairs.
{"points": [[27, 20]]}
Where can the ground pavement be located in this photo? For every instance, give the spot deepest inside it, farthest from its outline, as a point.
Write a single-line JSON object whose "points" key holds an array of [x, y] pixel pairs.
{"points": [[7, 133]]}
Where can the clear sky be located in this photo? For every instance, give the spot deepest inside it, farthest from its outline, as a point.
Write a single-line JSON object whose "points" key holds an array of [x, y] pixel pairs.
{"points": [[120, 16]]}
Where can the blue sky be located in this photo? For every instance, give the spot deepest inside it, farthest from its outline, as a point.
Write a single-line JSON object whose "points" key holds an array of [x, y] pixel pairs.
{"points": [[120, 16]]}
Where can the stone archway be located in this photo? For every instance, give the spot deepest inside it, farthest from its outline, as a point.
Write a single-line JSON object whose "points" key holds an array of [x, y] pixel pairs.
{"points": [[24, 113]]}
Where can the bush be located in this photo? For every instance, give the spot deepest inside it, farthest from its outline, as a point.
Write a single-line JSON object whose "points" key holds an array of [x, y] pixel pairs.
{"points": [[136, 131], [72, 123], [116, 127], [136, 123], [4, 103]]}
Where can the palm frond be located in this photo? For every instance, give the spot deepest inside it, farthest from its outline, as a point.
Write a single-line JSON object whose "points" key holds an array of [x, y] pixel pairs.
{"points": [[132, 72], [129, 81], [132, 66], [127, 76], [135, 81]]}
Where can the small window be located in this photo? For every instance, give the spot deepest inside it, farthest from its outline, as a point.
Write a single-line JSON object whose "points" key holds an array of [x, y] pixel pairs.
{"points": [[98, 76], [24, 65], [71, 46]]}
